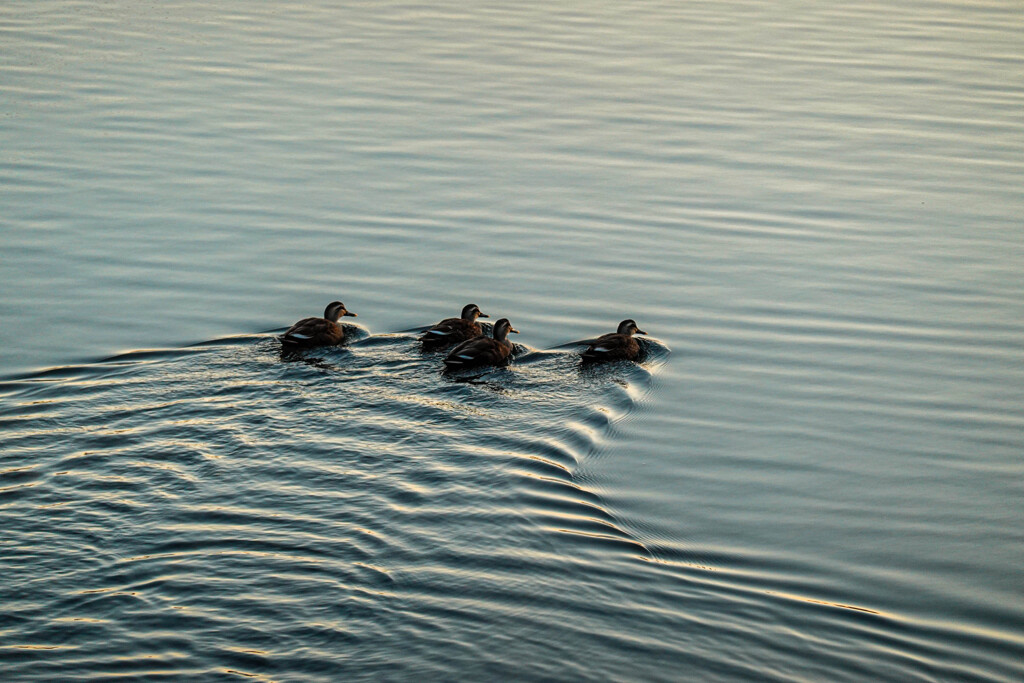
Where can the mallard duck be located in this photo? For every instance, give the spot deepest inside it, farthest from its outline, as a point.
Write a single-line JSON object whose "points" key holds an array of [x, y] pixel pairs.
{"points": [[452, 330], [483, 350], [323, 331], [617, 345]]}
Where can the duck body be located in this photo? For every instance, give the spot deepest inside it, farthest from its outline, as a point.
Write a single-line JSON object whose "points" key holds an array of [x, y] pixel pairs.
{"points": [[324, 331], [455, 330], [618, 345], [483, 350]]}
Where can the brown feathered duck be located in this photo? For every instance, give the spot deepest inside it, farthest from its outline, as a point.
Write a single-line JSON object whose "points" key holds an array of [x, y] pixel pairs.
{"points": [[454, 330], [483, 350], [617, 345], [323, 331]]}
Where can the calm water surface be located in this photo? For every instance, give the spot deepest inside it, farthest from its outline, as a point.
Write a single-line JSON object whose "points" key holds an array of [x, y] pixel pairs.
{"points": [[815, 210]]}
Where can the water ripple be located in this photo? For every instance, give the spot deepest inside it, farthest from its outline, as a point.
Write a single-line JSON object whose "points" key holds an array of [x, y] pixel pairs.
{"points": [[186, 485]]}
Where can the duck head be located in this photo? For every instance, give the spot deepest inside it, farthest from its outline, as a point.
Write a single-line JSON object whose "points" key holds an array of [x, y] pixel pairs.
{"points": [[335, 310], [471, 312], [502, 328], [628, 327]]}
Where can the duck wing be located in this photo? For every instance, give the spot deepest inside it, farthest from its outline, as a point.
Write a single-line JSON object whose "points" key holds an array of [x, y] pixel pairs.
{"points": [[478, 351], [310, 331], [612, 346], [450, 330]]}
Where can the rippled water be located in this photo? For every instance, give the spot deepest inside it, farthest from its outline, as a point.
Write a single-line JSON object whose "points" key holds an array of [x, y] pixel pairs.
{"points": [[813, 208], [224, 509]]}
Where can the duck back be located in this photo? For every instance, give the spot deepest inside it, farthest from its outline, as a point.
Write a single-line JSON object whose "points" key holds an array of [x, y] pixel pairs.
{"points": [[313, 332], [451, 331], [479, 351], [612, 346]]}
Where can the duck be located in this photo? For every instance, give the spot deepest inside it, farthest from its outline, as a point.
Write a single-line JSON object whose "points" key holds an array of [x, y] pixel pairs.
{"points": [[483, 350], [617, 345], [323, 331], [453, 330]]}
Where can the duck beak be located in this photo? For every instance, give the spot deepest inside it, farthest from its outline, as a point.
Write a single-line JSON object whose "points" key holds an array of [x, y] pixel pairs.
{"points": [[512, 329], [639, 331], [351, 314], [484, 315]]}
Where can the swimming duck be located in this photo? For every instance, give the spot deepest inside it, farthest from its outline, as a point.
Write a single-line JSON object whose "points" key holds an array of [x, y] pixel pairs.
{"points": [[483, 350], [323, 331], [452, 330], [617, 345]]}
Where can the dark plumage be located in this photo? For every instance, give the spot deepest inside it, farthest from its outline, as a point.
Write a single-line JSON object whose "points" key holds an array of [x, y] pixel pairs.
{"points": [[453, 330], [483, 350], [323, 331], [618, 345]]}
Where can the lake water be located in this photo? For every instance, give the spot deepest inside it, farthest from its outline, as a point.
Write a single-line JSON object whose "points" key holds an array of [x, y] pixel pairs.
{"points": [[814, 209]]}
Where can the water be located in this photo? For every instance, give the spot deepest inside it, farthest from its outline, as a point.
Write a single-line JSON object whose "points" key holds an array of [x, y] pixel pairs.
{"points": [[814, 210]]}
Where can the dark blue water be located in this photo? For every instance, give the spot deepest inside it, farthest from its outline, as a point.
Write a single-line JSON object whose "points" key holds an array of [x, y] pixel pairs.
{"points": [[815, 473]]}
